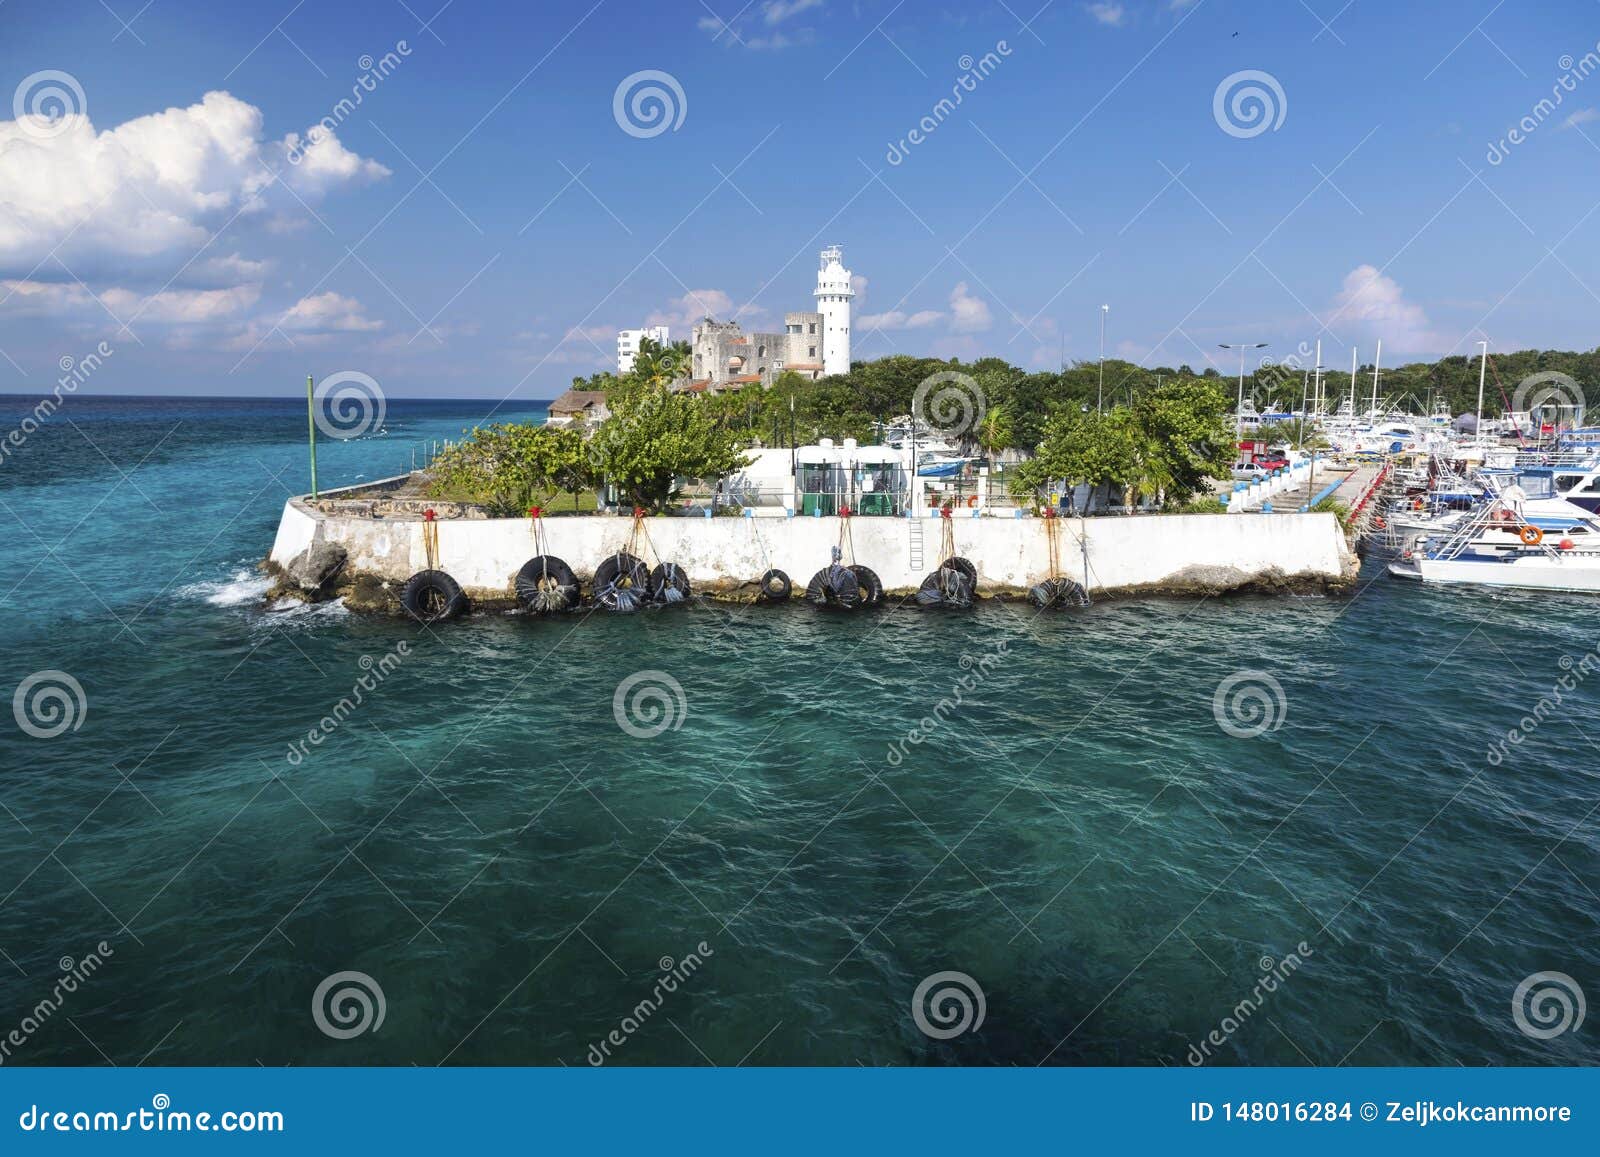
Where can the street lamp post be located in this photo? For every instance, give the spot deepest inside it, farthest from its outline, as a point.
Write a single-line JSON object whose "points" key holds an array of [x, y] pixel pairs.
{"points": [[1100, 404], [1483, 362], [1238, 414]]}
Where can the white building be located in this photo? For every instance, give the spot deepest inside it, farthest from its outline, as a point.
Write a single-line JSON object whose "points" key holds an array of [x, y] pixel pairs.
{"points": [[628, 341], [833, 303], [812, 344]]}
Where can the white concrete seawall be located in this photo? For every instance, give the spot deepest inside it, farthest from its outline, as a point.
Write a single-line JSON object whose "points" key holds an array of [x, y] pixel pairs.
{"points": [[1180, 551]]}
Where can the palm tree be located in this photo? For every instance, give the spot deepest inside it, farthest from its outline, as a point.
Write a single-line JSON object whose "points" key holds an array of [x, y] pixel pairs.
{"points": [[994, 431]]}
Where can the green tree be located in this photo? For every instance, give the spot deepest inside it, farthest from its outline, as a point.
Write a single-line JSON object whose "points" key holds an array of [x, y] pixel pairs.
{"points": [[509, 467], [1180, 439], [656, 436]]}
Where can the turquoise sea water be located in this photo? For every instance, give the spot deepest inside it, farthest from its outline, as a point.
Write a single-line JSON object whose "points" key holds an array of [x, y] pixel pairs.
{"points": [[514, 870]]}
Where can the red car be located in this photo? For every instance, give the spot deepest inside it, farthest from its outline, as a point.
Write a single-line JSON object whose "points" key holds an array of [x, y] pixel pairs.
{"points": [[1271, 462]]}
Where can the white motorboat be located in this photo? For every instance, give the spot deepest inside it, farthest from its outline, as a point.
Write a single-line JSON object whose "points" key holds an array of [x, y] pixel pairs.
{"points": [[1479, 553]]}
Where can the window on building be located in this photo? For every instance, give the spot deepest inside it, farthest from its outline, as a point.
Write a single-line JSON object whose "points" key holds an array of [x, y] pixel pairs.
{"points": [[813, 328], [811, 351], [761, 351], [794, 327]]}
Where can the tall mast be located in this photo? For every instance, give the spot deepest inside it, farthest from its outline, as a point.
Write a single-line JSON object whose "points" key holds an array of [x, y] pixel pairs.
{"points": [[1376, 358]]}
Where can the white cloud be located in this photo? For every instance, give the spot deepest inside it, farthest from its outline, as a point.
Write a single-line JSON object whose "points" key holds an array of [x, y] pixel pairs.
{"points": [[1377, 304], [328, 313], [899, 319], [773, 13], [1582, 117], [777, 11], [169, 306], [320, 162], [682, 313], [1113, 15], [182, 306], [968, 314], [154, 186]]}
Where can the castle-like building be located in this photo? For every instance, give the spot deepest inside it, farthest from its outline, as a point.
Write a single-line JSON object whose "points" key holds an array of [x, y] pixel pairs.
{"points": [[813, 345]]}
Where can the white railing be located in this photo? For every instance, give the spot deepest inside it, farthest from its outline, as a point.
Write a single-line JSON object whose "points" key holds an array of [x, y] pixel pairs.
{"points": [[1249, 497]]}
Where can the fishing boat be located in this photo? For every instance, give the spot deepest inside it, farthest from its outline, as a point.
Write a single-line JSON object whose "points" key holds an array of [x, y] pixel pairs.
{"points": [[1533, 561]]}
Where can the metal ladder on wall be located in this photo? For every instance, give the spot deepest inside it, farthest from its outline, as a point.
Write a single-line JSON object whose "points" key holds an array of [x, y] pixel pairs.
{"points": [[915, 531]]}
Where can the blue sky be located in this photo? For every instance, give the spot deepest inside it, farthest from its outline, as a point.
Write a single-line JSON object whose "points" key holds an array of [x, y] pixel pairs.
{"points": [[481, 224]]}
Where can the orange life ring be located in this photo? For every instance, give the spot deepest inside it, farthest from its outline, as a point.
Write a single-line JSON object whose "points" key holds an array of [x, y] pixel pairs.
{"points": [[1531, 535], [972, 502]]}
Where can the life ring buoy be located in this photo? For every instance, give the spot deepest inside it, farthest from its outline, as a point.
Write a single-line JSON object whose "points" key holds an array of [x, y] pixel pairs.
{"points": [[972, 502], [1531, 535]]}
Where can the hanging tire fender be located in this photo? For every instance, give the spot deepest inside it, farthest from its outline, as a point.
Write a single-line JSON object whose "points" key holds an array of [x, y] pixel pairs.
{"points": [[775, 587], [546, 585], [432, 596], [834, 587], [871, 586], [668, 584]]}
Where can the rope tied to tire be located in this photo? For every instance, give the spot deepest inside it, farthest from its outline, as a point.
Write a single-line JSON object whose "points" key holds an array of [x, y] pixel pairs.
{"points": [[954, 583], [834, 587], [545, 585], [773, 586]]}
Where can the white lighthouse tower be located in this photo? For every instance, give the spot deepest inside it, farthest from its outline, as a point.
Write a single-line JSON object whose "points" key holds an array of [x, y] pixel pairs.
{"points": [[833, 302]]}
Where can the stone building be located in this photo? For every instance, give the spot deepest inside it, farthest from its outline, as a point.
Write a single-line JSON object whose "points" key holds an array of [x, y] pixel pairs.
{"points": [[812, 344]]}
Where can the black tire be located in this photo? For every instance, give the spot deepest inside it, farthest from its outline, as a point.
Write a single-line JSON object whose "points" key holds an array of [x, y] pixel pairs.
{"points": [[775, 587], [834, 588], [964, 567], [947, 587], [621, 583], [545, 585], [1056, 594], [668, 584], [431, 596], [871, 586]]}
